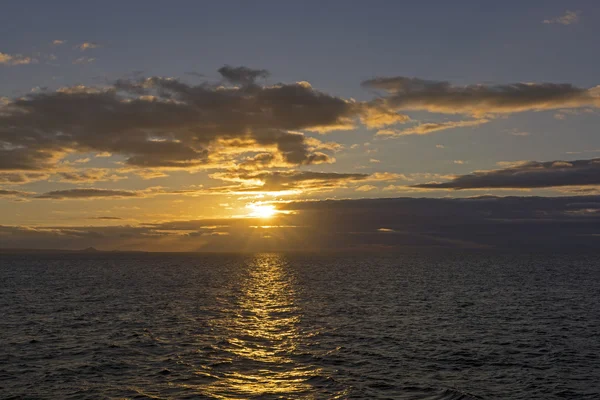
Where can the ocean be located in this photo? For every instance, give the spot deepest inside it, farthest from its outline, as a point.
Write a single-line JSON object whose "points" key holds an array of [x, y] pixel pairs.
{"points": [[299, 326]]}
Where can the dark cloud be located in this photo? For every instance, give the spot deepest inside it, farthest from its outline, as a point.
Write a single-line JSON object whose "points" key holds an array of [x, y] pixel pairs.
{"points": [[242, 75], [90, 193], [165, 123], [27, 158], [21, 177], [527, 175], [95, 193], [521, 223], [4, 193], [443, 97]]}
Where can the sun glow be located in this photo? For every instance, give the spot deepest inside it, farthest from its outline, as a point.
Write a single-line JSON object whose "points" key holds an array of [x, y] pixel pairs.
{"points": [[262, 210]]}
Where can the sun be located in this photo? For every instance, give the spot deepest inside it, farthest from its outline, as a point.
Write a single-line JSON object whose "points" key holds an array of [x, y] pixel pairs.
{"points": [[262, 210]]}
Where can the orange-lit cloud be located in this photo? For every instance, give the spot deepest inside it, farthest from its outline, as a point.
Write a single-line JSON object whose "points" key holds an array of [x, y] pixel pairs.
{"points": [[160, 123], [426, 128], [15, 59], [87, 46]]}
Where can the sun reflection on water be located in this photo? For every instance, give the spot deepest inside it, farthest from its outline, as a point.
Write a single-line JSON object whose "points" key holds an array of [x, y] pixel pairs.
{"points": [[262, 336]]}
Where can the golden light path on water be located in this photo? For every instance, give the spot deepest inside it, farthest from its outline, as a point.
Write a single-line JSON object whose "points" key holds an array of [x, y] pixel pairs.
{"points": [[262, 335]]}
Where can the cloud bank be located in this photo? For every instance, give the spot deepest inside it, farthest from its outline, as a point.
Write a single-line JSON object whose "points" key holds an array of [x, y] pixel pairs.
{"points": [[164, 123], [527, 175], [525, 224]]}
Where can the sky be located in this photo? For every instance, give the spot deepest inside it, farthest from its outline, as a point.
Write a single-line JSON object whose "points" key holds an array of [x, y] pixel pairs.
{"points": [[247, 126]]}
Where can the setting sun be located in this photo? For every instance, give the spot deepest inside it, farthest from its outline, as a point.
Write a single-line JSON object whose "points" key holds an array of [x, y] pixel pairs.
{"points": [[262, 210]]}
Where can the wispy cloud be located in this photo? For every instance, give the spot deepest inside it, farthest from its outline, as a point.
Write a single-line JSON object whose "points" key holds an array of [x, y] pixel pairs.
{"points": [[90, 193], [84, 60], [16, 59], [87, 46], [58, 42], [518, 132], [285, 181], [89, 175], [568, 18], [366, 188], [430, 127]]}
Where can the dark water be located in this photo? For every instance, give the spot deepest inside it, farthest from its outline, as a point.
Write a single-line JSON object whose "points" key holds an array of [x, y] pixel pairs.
{"points": [[298, 326]]}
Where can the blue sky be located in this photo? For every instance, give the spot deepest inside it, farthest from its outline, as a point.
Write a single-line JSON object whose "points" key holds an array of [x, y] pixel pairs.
{"points": [[331, 44]]}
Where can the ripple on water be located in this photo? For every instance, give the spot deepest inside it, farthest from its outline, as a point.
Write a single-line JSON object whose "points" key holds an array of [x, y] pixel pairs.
{"points": [[299, 326]]}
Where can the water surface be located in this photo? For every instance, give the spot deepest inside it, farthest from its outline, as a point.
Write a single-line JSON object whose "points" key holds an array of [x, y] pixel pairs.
{"points": [[411, 326]]}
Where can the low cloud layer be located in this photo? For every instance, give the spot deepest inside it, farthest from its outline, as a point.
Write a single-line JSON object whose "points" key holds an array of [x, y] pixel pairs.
{"points": [[88, 194], [527, 175], [485, 223]]}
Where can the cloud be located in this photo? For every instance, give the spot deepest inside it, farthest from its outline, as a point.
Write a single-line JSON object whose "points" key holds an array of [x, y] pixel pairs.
{"points": [[366, 188], [242, 75], [562, 114], [90, 193], [293, 182], [426, 128], [566, 223], [22, 177], [527, 175], [84, 60], [58, 42], [278, 181], [87, 46], [96, 193], [481, 99], [568, 18], [14, 194], [21, 158], [195, 74], [517, 132], [16, 59], [89, 175], [163, 123]]}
